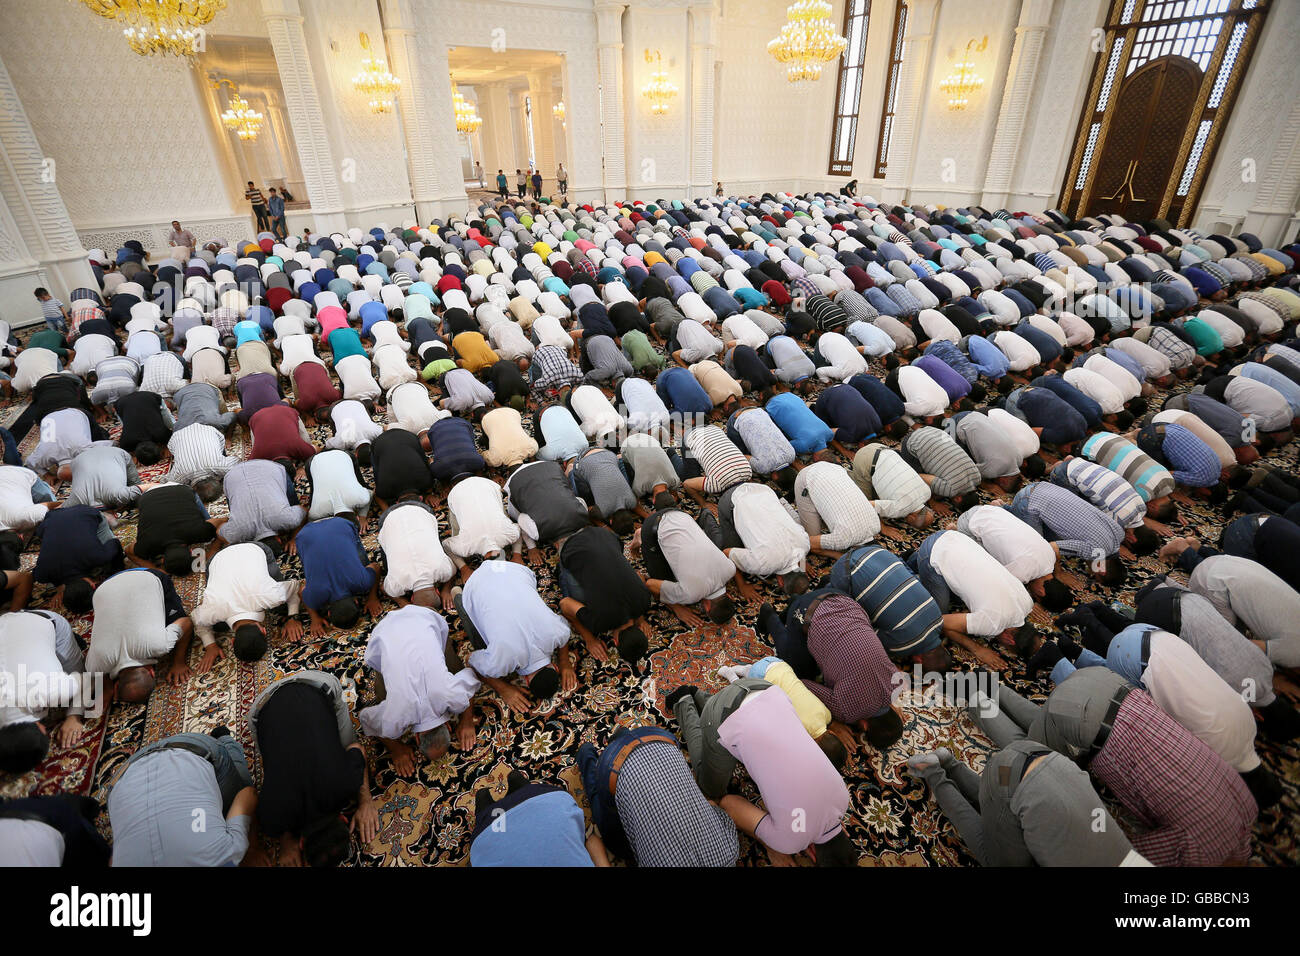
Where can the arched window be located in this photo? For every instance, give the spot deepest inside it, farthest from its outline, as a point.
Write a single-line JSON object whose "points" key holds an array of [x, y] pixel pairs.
{"points": [[1162, 87], [848, 94], [891, 88]]}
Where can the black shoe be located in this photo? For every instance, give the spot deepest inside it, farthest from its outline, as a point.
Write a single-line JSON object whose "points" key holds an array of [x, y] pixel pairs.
{"points": [[216, 733], [1045, 659], [685, 690], [1263, 786], [1070, 650], [760, 622]]}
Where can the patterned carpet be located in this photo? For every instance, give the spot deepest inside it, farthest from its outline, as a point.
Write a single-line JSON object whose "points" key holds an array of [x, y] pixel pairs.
{"points": [[426, 819]]}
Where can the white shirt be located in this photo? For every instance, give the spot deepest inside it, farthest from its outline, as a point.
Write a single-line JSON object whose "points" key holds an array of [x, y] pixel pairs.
{"points": [[353, 426], [240, 588], [645, 409], [548, 331], [1186, 688], [421, 694], [995, 599], [391, 366], [411, 408], [334, 486], [297, 349], [596, 415], [412, 550], [1021, 436], [775, 541], [1116, 374], [91, 350], [1097, 387], [1016, 546], [354, 372], [846, 361], [32, 677], [922, 395], [17, 510], [128, 630], [479, 525], [742, 329], [1020, 354]]}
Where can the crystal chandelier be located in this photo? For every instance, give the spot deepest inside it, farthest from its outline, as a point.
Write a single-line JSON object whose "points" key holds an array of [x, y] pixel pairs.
{"points": [[807, 40], [375, 81], [240, 118], [963, 80], [659, 91], [166, 27], [467, 118], [558, 112]]}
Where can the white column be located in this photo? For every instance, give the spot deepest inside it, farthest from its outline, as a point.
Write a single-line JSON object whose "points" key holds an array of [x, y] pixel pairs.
{"points": [[320, 172], [1022, 76], [415, 100], [38, 245], [609, 51], [704, 54], [917, 40], [541, 92]]}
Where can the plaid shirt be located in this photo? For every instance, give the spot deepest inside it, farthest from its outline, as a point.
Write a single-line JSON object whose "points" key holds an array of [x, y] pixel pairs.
{"points": [[666, 818], [1191, 460], [857, 674], [553, 368], [1078, 528], [1147, 763]]}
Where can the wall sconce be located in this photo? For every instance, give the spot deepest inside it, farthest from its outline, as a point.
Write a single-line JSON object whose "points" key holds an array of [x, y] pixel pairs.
{"points": [[963, 80], [375, 81], [659, 91]]}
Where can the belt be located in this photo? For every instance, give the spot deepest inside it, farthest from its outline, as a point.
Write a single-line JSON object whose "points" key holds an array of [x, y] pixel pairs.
{"points": [[186, 745], [1146, 648], [1108, 722], [659, 736]]}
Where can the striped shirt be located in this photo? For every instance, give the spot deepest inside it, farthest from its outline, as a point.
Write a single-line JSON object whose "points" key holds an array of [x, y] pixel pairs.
{"points": [[905, 616], [762, 440], [1150, 479], [1103, 488], [721, 461], [939, 455], [894, 487], [198, 452]]}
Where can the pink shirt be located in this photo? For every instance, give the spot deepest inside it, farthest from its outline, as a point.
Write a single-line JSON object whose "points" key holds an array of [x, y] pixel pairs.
{"points": [[330, 318], [804, 794]]}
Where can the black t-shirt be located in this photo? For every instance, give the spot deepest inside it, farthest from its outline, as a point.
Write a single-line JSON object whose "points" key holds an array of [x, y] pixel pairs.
{"points": [[306, 771], [612, 592], [506, 381], [399, 464], [142, 420], [168, 514]]}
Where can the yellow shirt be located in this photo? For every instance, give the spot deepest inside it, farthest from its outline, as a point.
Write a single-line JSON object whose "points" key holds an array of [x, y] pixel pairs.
{"points": [[813, 714], [473, 350]]}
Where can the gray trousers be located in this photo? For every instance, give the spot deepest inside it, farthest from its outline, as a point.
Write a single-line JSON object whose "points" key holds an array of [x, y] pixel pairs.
{"points": [[699, 718], [226, 755], [327, 682]]}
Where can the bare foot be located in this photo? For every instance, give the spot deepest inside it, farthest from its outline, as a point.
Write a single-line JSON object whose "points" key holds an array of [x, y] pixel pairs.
{"points": [[403, 757]]}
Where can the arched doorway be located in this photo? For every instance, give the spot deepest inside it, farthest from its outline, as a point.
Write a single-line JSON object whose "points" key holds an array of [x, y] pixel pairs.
{"points": [[1140, 153]]}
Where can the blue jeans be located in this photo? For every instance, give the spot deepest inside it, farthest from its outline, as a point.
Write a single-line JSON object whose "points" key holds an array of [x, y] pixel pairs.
{"points": [[226, 755], [569, 586], [595, 767], [1064, 668], [41, 492], [58, 325], [932, 580], [10, 446]]}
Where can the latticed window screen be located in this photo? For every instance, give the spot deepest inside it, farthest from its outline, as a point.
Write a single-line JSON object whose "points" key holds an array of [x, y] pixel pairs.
{"points": [[848, 95], [1209, 40], [892, 77]]}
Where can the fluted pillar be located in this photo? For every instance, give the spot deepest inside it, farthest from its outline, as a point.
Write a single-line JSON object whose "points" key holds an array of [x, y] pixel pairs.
{"points": [[320, 172], [609, 52], [704, 55], [1022, 74], [917, 41]]}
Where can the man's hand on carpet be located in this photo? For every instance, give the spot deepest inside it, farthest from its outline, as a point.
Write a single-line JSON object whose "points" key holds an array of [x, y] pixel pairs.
{"points": [[70, 731], [178, 673], [686, 615], [293, 629], [365, 822], [317, 626], [747, 591], [596, 648], [990, 658], [373, 606], [535, 557], [568, 679], [211, 654], [516, 699], [290, 852]]}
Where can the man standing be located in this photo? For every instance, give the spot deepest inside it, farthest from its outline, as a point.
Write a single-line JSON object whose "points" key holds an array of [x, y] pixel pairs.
{"points": [[180, 238], [503, 187], [562, 179], [521, 182], [275, 207], [258, 202]]}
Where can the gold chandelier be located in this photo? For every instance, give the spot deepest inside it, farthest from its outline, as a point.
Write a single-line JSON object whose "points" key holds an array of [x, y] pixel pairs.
{"points": [[659, 91], [467, 118], [558, 112], [240, 118], [963, 80], [807, 40], [166, 27], [375, 81]]}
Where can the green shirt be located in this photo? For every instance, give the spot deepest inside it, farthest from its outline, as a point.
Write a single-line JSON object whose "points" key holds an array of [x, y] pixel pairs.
{"points": [[436, 368], [49, 339], [1207, 340], [640, 352]]}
